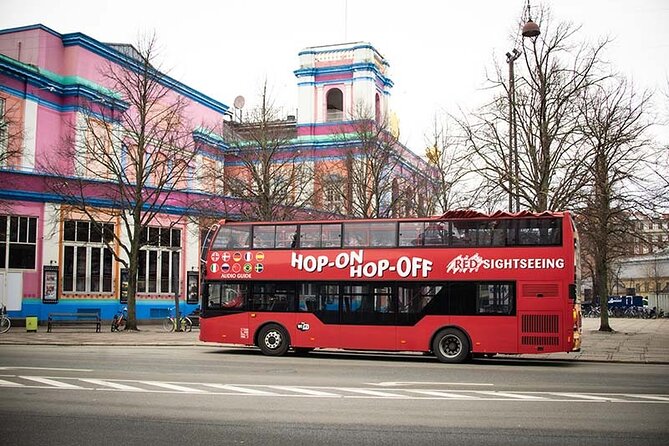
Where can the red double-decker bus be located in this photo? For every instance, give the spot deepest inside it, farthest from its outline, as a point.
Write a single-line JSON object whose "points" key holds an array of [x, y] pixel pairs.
{"points": [[456, 285]]}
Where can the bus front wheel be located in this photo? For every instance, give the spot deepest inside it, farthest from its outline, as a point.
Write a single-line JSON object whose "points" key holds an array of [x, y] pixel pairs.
{"points": [[451, 345], [273, 340]]}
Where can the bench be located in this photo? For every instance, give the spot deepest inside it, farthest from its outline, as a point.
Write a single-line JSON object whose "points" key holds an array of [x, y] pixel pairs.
{"points": [[73, 319]]}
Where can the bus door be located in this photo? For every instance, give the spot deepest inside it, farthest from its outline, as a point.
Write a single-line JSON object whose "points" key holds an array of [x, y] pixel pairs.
{"points": [[317, 324], [368, 317]]}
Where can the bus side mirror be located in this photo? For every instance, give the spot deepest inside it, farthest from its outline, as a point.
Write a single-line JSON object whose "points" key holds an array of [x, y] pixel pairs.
{"points": [[572, 292]]}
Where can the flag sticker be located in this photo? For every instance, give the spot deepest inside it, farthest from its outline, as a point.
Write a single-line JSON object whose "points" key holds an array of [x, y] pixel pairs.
{"points": [[237, 256], [236, 268], [225, 256], [225, 268], [259, 268], [248, 268], [213, 267], [260, 256], [215, 256], [248, 256]]}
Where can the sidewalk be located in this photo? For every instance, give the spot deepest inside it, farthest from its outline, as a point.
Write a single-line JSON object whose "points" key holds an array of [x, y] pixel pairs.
{"points": [[635, 340]]}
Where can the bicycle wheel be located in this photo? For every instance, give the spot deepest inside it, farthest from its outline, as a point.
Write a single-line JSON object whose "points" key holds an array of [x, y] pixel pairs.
{"points": [[186, 324], [168, 324], [5, 323]]}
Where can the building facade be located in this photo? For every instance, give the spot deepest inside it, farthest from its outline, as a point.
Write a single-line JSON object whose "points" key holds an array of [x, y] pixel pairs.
{"points": [[56, 257], [52, 258]]}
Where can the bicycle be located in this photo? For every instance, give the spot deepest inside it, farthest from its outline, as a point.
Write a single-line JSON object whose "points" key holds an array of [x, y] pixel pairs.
{"points": [[169, 323], [120, 320], [5, 321]]}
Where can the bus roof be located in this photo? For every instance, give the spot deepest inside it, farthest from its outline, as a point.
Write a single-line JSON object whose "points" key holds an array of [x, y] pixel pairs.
{"points": [[449, 215]]}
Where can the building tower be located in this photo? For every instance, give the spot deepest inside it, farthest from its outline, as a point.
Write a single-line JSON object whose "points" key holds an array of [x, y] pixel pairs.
{"points": [[338, 82]]}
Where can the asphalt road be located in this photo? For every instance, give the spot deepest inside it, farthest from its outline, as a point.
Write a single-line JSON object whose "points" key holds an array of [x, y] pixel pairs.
{"points": [[84, 395]]}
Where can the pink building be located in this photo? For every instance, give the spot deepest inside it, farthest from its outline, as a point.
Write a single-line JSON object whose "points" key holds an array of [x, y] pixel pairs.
{"points": [[51, 259]]}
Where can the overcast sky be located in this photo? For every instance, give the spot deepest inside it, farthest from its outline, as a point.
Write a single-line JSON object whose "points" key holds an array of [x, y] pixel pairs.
{"points": [[438, 50]]}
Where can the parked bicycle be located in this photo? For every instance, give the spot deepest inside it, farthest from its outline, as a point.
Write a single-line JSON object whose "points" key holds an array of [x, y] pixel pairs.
{"points": [[170, 324], [120, 320], [5, 322]]}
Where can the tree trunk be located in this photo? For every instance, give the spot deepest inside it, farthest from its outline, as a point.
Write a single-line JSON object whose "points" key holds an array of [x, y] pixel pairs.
{"points": [[603, 292]]}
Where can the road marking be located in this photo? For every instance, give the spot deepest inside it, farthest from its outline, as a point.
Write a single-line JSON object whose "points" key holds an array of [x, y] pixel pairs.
{"points": [[369, 392], [306, 391], [65, 383], [171, 386], [650, 397], [239, 389], [426, 383], [589, 397], [510, 395], [51, 382], [46, 368], [113, 385], [440, 394], [10, 384]]}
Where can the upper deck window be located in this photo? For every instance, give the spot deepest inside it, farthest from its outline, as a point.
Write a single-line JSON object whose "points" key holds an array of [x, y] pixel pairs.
{"points": [[459, 233], [375, 234], [230, 237]]}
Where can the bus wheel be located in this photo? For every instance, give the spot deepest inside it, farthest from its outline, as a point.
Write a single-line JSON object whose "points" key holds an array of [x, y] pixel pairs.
{"points": [[451, 345], [273, 340]]}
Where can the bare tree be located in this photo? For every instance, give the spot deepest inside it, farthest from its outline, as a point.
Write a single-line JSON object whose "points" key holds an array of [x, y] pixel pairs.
{"points": [[373, 169], [661, 163], [130, 150], [11, 137], [263, 165], [451, 162], [614, 126], [546, 170]]}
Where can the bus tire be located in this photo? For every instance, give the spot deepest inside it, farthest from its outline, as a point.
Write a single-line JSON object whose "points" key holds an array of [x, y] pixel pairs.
{"points": [[451, 345], [273, 340]]}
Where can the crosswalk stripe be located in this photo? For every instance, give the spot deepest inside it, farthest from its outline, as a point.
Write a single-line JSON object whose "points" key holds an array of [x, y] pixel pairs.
{"points": [[305, 391], [441, 394], [172, 387], [649, 397], [245, 390], [587, 397], [113, 385], [10, 384], [372, 392], [510, 395], [51, 382]]}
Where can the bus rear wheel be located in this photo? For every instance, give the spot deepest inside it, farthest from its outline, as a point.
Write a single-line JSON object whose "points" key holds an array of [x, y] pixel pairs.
{"points": [[273, 340], [451, 345]]}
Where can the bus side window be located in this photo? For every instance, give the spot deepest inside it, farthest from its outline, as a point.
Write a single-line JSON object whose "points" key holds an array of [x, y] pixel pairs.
{"points": [[411, 233], [436, 234], [383, 234], [500, 229], [310, 236], [263, 237], [356, 235], [286, 236], [213, 295], [331, 236], [230, 237]]}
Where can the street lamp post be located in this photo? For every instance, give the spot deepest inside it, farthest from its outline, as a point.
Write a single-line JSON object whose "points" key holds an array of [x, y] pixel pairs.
{"points": [[513, 141], [530, 29]]}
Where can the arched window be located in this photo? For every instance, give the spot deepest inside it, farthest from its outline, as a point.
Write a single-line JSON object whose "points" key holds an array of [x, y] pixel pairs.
{"points": [[335, 105]]}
